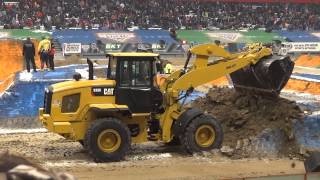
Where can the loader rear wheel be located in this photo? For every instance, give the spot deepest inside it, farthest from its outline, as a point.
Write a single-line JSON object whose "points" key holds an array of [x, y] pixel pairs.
{"points": [[107, 139], [204, 133]]}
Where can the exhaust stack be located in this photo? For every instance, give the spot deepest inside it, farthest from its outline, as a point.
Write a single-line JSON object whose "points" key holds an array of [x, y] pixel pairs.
{"points": [[90, 65]]}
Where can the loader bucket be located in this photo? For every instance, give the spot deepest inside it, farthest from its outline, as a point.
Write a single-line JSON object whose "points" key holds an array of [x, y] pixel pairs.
{"points": [[268, 76]]}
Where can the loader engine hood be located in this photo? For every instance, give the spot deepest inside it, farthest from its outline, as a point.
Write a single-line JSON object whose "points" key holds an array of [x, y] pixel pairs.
{"points": [[69, 85]]}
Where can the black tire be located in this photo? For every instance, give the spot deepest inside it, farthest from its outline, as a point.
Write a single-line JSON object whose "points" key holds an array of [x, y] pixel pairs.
{"points": [[188, 139], [174, 142], [82, 143], [100, 126]]}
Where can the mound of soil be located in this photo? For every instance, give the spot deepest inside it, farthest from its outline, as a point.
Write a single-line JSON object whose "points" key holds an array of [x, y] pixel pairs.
{"points": [[244, 116], [308, 61]]}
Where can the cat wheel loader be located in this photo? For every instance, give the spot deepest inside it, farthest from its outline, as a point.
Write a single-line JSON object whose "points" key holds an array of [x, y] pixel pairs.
{"points": [[107, 115]]}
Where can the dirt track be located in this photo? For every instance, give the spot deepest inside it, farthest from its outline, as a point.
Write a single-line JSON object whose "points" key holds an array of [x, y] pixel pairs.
{"points": [[148, 161]]}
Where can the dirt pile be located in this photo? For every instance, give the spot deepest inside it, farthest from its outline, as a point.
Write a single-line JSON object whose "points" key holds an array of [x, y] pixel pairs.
{"points": [[308, 61], [247, 118], [303, 86]]}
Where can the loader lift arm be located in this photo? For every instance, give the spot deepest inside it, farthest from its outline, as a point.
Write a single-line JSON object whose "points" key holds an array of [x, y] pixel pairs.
{"points": [[201, 73]]}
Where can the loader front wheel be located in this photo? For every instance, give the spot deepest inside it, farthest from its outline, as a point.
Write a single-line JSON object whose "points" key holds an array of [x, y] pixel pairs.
{"points": [[204, 133], [107, 139]]}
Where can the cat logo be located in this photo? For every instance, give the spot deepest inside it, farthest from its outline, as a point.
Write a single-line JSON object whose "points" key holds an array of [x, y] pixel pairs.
{"points": [[102, 91]]}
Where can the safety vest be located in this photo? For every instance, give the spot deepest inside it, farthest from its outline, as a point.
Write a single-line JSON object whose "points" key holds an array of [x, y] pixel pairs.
{"points": [[44, 45], [168, 69]]}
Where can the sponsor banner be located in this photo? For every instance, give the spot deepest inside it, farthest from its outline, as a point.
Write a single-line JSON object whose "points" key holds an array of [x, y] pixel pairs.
{"points": [[90, 48], [316, 34], [224, 37], [154, 46], [4, 34], [116, 37], [113, 46], [302, 46], [71, 48], [158, 46]]}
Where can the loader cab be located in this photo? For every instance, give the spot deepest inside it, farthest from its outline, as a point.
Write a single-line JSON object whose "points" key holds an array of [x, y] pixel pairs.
{"points": [[134, 74]]}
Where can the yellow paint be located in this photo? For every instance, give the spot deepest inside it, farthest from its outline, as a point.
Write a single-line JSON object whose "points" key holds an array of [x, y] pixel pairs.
{"points": [[205, 136], [109, 141]]}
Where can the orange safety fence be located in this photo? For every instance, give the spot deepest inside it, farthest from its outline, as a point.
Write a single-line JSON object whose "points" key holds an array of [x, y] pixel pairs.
{"points": [[308, 61]]}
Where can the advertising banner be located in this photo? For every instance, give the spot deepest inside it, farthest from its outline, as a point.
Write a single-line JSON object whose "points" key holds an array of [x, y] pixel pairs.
{"points": [[113, 46], [4, 35], [116, 37], [302, 46], [224, 37], [71, 48], [91, 48]]}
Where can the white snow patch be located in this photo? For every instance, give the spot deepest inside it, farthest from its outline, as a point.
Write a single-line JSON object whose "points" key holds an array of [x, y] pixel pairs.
{"points": [[22, 131], [84, 73], [25, 76], [150, 157]]}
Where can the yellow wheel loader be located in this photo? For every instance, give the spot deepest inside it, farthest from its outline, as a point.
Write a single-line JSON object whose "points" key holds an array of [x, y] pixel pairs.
{"points": [[107, 115]]}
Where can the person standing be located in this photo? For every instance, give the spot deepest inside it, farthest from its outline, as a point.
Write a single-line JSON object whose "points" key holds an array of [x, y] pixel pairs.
{"points": [[43, 50], [51, 56], [29, 53], [168, 69]]}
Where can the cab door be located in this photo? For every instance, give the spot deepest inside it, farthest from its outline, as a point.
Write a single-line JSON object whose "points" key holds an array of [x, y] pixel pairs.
{"points": [[134, 84]]}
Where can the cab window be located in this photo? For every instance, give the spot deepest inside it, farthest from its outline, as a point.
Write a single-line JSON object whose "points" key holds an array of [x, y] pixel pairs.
{"points": [[112, 68], [125, 74], [135, 73]]}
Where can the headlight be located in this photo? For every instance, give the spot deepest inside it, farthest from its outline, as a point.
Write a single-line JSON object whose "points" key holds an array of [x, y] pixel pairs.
{"points": [[70, 103]]}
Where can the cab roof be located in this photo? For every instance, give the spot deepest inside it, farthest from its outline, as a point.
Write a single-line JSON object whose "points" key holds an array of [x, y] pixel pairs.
{"points": [[133, 54]]}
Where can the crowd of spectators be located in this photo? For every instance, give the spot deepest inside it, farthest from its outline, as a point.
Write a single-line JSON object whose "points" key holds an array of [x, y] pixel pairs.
{"points": [[177, 14]]}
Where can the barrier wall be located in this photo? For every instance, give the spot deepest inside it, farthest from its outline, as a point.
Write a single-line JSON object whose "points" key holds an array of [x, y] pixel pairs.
{"points": [[75, 36], [22, 34], [298, 36], [99, 42], [229, 36], [152, 36]]}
